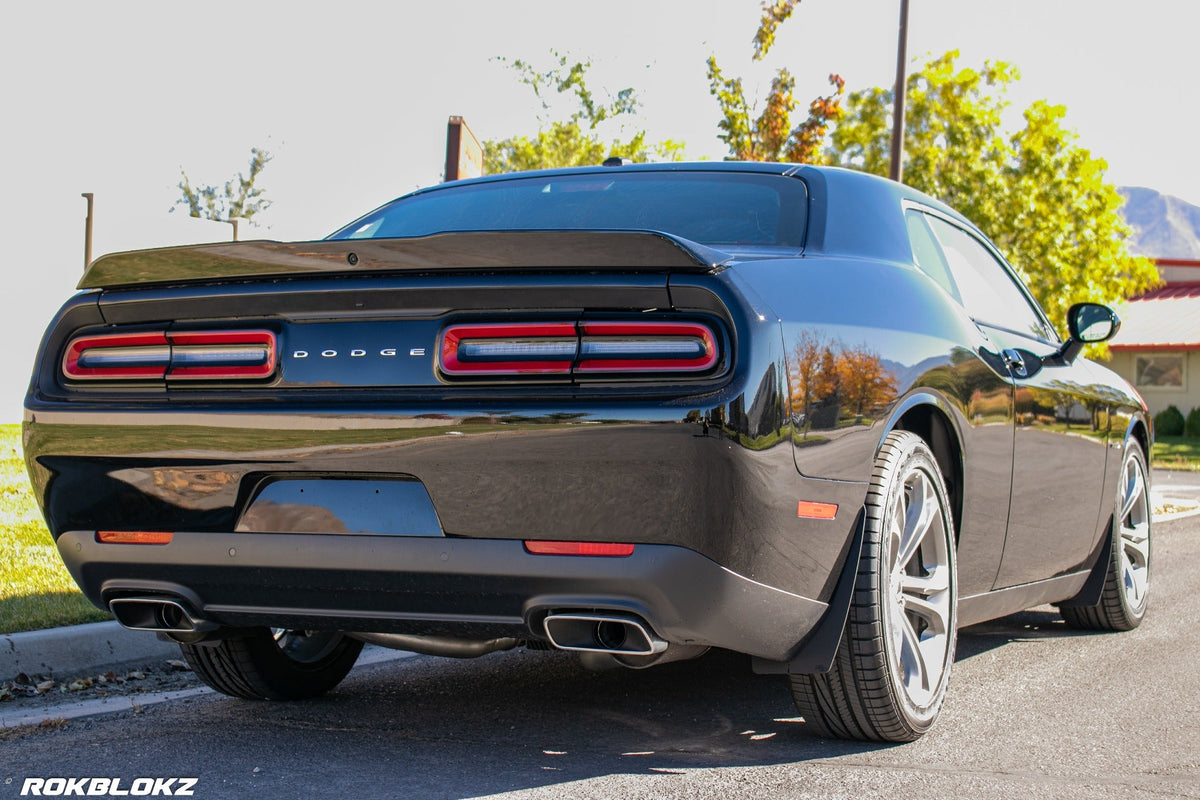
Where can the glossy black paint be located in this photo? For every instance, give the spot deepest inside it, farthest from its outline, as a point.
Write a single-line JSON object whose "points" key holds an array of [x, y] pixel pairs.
{"points": [[714, 466]]}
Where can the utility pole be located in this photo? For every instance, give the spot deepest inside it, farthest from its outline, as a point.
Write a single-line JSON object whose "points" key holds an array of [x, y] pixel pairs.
{"points": [[897, 170], [87, 230]]}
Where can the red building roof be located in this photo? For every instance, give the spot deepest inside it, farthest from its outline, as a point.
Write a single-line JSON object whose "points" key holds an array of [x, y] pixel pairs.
{"points": [[1166, 318]]}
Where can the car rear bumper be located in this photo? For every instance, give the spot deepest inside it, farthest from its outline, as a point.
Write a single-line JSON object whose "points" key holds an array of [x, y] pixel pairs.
{"points": [[445, 586]]}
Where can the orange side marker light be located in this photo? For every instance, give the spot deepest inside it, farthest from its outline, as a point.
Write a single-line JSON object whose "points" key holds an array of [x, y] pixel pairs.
{"points": [[809, 509]]}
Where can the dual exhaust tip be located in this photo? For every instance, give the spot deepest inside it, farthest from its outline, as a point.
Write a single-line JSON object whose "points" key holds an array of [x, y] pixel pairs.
{"points": [[615, 634], [158, 614]]}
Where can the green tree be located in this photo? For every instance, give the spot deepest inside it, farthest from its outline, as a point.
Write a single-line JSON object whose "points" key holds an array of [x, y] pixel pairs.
{"points": [[1041, 197], [771, 136], [238, 198], [576, 140]]}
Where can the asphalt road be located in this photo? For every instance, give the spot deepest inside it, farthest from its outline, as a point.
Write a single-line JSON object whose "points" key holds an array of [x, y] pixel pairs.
{"points": [[1035, 711]]}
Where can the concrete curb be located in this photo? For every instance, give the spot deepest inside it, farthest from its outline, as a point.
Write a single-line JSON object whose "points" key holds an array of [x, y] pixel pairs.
{"points": [[78, 650]]}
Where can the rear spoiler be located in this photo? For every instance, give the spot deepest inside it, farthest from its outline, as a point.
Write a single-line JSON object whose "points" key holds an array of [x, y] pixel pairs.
{"points": [[625, 251]]}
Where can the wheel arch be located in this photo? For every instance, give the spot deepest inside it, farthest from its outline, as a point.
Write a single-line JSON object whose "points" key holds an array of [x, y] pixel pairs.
{"points": [[1139, 430], [930, 417]]}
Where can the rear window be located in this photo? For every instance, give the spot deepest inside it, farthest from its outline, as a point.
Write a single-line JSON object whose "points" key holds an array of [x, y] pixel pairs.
{"points": [[712, 208]]}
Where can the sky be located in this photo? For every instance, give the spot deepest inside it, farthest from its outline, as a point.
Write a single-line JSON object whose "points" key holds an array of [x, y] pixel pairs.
{"points": [[351, 99]]}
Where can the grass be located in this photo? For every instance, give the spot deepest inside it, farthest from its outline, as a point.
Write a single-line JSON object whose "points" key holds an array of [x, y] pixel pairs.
{"points": [[36, 591], [1177, 452]]}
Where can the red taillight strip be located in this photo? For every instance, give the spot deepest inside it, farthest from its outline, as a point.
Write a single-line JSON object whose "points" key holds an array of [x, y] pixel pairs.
{"points": [[184, 355], [147, 356], [550, 548], [208, 355], [561, 348], [134, 537], [645, 359], [536, 335]]}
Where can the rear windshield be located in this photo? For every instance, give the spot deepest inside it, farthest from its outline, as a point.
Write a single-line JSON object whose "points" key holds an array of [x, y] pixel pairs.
{"points": [[712, 208]]}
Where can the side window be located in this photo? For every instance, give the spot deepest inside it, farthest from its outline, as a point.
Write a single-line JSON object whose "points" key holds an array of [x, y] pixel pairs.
{"points": [[989, 292], [927, 253]]}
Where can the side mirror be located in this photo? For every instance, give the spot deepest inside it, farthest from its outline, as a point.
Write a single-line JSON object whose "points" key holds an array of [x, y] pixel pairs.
{"points": [[1087, 323]]}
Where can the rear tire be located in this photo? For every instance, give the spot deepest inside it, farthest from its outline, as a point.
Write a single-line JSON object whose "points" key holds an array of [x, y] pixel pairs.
{"points": [[892, 666], [1127, 582], [274, 664]]}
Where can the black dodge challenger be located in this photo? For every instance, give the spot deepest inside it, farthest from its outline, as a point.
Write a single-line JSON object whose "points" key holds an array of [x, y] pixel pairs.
{"points": [[633, 411]]}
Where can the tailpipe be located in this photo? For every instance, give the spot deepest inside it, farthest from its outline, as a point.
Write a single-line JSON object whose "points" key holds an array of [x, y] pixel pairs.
{"points": [[614, 634], [437, 645], [158, 614]]}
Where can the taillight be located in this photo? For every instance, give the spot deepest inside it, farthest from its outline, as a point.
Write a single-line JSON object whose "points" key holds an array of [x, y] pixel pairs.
{"points": [[121, 356], [174, 355], [509, 349], [646, 347], [584, 348], [211, 355]]}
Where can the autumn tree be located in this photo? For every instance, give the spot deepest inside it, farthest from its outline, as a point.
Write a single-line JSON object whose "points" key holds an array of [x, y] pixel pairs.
{"points": [[238, 199], [805, 368], [1040, 196], [576, 140], [770, 135], [864, 381]]}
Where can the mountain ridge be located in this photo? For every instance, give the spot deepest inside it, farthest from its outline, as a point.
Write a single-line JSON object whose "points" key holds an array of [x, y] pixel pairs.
{"points": [[1163, 225]]}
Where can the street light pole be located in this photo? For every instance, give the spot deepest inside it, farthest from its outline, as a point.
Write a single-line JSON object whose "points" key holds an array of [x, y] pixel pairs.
{"points": [[897, 169], [87, 230]]}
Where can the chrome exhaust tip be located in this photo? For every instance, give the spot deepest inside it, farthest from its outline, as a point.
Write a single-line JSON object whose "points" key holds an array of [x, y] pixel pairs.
{"points": [[620, 634], [158, 615]]}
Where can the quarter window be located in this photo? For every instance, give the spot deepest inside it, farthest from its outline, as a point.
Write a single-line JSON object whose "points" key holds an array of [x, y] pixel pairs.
{"points": [[989, 292], [928, 254]]}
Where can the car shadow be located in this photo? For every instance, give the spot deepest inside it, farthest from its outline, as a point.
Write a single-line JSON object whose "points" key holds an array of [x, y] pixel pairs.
{"points": [[524, 720], [1026, 626]]}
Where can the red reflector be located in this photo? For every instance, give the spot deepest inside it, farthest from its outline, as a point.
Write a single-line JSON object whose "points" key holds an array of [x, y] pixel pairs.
{"points": [[544, 548], [134, 537], [810, 510]]}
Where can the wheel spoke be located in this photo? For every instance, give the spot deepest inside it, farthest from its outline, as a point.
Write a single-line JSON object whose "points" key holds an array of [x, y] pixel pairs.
{"points": [[921, 512], [912, 657], [1135, 490], [1136, 541], [936, 613], [1134, 577], [925, 585]]}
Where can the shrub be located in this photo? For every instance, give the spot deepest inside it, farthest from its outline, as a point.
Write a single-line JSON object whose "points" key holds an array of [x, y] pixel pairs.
{"points": [[1192, 427], [1169, 422]]}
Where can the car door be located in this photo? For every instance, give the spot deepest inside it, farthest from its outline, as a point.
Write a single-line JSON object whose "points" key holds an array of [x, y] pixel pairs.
{"points": [[1059, 445]]}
